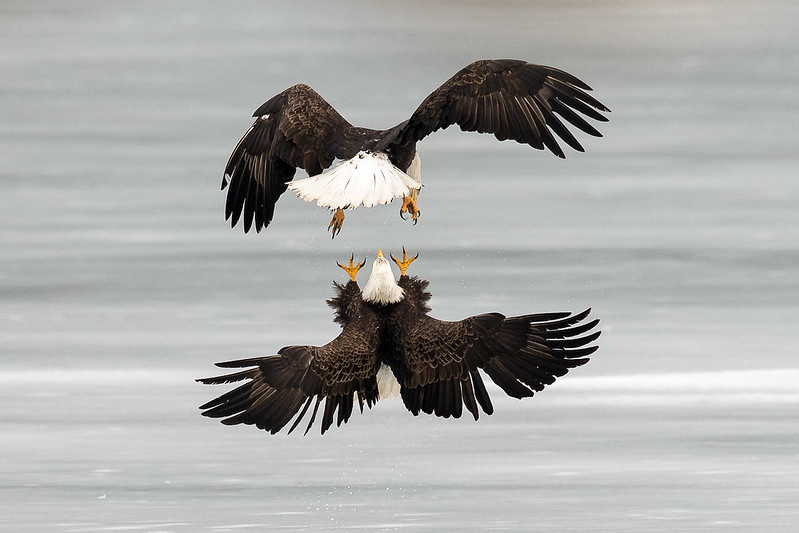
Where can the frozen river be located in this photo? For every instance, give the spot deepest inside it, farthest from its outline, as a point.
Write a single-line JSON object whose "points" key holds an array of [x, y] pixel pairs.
{"points": [[120, 281]]}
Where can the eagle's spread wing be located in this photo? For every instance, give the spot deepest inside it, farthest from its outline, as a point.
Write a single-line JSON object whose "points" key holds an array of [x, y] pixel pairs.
{"points": [[439, 361], [280, 386], [511, 99], [294, 129]]}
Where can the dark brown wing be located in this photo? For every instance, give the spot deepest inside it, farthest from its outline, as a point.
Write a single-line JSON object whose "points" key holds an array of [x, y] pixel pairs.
{"points": [[294, 129], [438, 362], [513, 100], [279, 387]]}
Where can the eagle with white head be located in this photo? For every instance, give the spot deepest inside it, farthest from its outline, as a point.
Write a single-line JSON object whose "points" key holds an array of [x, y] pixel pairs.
{"points": [[390, 344], [297, 128]]}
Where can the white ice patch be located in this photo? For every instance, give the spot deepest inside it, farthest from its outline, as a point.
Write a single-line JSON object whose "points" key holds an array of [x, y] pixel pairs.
{"points": [[368, 179], [725, 387]]}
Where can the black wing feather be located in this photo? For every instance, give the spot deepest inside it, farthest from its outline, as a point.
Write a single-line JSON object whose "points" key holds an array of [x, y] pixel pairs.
{"points": [[294, 129], [279, 387], [511, 99], [438, 364]]}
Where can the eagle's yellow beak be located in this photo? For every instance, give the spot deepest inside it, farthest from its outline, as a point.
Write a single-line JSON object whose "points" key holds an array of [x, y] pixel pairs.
{"points": [[380, 253]]}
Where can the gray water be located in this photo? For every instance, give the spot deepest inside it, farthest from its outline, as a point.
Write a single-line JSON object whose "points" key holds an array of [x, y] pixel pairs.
{"points": [[120, 281]]}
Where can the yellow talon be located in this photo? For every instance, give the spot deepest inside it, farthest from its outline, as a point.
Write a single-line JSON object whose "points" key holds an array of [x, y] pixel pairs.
{"points": [[352, 269], [336, 222], [405, 263], [409, 205]]}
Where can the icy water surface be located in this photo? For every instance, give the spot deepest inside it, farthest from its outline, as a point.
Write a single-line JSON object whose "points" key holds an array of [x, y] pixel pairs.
{"points": [[120, 281]]}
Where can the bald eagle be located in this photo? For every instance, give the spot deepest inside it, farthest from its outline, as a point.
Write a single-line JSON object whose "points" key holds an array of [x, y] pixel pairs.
{"points": [[389, 343], [298, 129]]}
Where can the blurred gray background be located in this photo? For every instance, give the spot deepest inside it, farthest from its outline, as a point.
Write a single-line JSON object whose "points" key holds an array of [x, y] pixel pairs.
{"points": [[121, 282]]}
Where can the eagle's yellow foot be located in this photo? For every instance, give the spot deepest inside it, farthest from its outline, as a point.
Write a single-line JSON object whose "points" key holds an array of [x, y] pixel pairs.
{"points": [[352, 269], [405, 263], [336, 222], [409, 206]]}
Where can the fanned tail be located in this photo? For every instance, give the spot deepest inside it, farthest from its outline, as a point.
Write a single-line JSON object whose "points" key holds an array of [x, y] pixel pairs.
{"points": [[368, 179]]}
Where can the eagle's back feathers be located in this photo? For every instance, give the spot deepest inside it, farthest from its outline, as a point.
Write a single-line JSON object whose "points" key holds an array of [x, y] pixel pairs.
{"points": [[437, 363]]}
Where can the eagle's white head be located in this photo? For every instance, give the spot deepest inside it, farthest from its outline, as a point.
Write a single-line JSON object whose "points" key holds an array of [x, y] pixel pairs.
{"points": [[382, 288]]}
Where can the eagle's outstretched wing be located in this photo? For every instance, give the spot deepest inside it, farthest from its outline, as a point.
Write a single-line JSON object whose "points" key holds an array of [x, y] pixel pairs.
{"points": [[439, 362], [280, 386], [293, 129], [511, 99]]}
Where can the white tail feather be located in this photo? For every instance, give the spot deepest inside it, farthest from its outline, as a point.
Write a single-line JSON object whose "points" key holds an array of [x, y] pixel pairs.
{"points": [[368, 179], [387, 384]]}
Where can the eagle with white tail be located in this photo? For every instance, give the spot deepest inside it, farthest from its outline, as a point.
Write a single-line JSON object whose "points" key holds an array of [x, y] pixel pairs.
{"points": [[388, 345], [298, 129]]}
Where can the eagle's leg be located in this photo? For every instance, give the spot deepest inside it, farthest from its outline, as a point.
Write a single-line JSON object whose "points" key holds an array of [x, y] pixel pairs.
{"points": [[409, 205], [405, 263], [352, 269], [336, 222]]}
